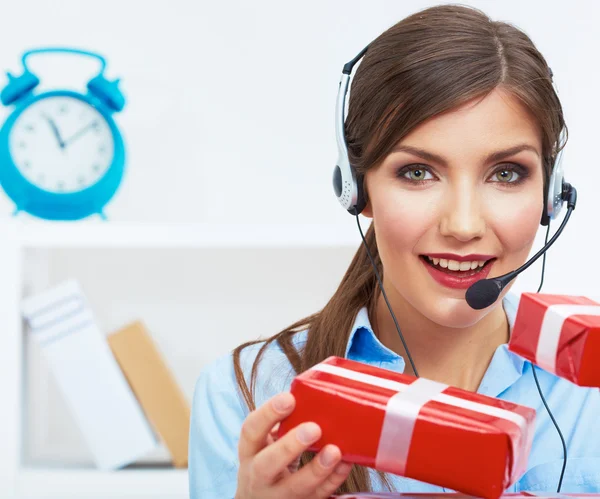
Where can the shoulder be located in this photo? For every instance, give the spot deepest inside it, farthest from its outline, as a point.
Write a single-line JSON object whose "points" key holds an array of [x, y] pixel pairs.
{"points": [[274, 373], [219, 409], [575, 410]]}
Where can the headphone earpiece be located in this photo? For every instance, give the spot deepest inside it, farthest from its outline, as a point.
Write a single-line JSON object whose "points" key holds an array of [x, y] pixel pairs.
{"points": [[361, 199], [556, 194], [349, 189], [545, 218]]}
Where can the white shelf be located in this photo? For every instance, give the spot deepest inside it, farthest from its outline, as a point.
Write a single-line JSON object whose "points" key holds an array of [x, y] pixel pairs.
{"points": [[140, 235], [17, 266], [33, 483]]}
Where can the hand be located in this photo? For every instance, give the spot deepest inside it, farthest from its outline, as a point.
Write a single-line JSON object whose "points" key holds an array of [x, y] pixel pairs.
{"points": [[269, 467], [55, 131], [80, 132]]}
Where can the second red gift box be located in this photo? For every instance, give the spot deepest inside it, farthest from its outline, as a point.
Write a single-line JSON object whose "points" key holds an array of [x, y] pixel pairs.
{"points": [[560, 334]]}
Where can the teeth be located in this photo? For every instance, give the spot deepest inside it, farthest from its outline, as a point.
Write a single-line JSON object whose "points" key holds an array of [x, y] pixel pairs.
{"points": [[455, 265]]}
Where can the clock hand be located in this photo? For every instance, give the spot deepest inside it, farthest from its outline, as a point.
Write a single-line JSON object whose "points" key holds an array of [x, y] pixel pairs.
{"points": [[81, 132], [55, 131]]}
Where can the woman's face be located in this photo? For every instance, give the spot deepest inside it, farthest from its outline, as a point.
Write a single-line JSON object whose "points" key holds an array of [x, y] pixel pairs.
{"points": [[461, 189]]}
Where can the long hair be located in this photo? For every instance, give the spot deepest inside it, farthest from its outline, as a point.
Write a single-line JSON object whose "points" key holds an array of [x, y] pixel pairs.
{"points": [[430, 62]]}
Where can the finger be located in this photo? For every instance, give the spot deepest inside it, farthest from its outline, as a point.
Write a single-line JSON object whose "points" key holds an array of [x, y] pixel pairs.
{"points": [[334, 480], [270, 462], [320, 475], [258, 424]]}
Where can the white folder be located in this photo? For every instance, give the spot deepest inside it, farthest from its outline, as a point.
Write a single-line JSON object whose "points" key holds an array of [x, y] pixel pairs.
{"points": [[90, 379]]}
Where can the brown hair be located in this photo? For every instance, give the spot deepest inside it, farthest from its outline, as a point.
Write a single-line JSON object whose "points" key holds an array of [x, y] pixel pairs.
{"points": [[428, 63]]}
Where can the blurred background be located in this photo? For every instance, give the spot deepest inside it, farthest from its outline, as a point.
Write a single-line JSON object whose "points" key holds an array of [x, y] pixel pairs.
{"points": [[224, 227]]}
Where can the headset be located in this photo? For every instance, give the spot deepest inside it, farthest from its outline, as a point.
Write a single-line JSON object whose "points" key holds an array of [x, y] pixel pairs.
{"points": [[349, 190], [348, 185]]}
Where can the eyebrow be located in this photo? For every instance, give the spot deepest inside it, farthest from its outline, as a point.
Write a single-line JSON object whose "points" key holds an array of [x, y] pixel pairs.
{"points": [[492, 157]]}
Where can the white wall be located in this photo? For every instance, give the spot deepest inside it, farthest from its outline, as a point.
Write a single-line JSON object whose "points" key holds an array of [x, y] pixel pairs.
{"points": [[230, 104], [230, 119]]}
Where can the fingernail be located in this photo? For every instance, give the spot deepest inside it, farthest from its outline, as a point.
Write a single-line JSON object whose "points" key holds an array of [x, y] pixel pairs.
{"points": [[328, 456], [283, 402], [308, 433]]}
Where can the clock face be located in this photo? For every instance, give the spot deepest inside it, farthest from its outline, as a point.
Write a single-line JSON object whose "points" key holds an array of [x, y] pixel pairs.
{"points": [[61, 144]]}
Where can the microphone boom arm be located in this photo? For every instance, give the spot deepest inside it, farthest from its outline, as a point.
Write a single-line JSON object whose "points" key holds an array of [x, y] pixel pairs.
{"points": [[485, 292]]}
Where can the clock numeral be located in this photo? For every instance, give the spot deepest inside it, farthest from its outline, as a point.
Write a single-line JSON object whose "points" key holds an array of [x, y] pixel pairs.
{"points": [[41, 178], [63, 109], [81, 180], [102, 149], [26, 164], [29, 127], [22, 145], [96, 168], [60, 186]]}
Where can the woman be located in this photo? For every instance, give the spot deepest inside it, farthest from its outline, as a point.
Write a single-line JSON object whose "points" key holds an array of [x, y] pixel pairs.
{"points": [[454, 125]]}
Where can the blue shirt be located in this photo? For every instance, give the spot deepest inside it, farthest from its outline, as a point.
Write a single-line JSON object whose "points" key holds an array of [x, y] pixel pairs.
{"points": [[218, 412]]}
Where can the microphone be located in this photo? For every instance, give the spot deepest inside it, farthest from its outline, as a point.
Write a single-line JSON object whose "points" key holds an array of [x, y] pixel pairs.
{"points": [[486, 291]]}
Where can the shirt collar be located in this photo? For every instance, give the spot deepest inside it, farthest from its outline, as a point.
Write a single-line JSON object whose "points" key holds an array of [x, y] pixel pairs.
{"points": [[364, 346], [503, 371]]}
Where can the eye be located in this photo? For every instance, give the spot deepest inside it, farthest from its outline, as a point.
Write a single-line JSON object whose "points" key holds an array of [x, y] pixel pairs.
{"points": [[415, 173], [510, 174], [505, 175]]}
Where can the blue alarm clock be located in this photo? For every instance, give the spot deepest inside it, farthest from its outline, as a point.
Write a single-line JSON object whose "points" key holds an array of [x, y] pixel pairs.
{"points": [[62, 156]]}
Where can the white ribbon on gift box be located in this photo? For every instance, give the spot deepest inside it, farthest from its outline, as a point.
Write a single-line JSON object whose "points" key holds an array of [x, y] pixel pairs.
{"points": [[552, 324], [402, 411]]}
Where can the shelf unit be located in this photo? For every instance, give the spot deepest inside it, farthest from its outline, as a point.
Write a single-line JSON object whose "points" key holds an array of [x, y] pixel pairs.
{"points": [[134, 235], [90, 484], [19, 478]]}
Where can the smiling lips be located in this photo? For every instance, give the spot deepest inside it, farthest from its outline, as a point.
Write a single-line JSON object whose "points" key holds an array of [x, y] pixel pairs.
{"points": [[456, 271]]}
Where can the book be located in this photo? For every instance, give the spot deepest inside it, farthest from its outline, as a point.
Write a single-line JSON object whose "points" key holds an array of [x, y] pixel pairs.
{"points": [[155, 387], [95, 389]]}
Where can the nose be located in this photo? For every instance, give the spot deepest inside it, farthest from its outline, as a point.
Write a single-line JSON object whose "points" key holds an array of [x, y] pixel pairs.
{"points": [[462, 216]]}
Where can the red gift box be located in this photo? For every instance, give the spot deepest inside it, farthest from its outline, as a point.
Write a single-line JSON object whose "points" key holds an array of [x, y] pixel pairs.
{"points": [[560, 334], [414, 427]]}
